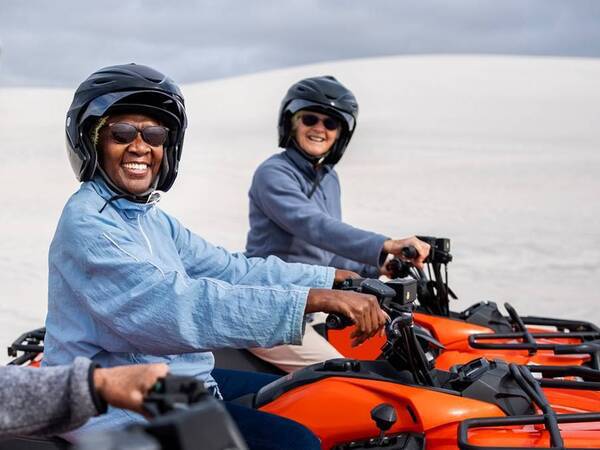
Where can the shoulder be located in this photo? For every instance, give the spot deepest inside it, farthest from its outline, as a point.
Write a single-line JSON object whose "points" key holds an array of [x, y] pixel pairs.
{"points": [[83, 220], [277, 165], [82, 206]]}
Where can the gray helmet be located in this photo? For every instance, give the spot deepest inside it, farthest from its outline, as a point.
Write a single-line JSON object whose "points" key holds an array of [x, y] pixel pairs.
{"points": [[322, 94], [125, 88]]}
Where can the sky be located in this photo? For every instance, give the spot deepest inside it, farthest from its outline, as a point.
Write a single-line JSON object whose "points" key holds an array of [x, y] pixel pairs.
{"points": [[59, 43]]}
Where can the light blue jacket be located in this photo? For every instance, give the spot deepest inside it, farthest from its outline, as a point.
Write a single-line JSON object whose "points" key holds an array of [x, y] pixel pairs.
{"points": [[291, 219], [130, 284]]}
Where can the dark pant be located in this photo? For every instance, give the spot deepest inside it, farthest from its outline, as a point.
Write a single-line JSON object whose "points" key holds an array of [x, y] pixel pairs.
{"points": [[261, 430]]}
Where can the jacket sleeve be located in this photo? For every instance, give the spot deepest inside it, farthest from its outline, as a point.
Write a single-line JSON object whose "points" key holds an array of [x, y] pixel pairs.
{"points": [[141, 306], [364, 270], [202, 259], [45, 401], [278, 194]]}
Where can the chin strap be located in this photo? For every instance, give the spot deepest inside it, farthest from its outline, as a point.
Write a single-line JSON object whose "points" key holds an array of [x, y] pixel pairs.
{"points": [[316, 161], [112, 199], [317, 182]]}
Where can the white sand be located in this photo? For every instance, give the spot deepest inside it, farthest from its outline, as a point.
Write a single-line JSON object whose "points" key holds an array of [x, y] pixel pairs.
{"points": [[501, 154]]}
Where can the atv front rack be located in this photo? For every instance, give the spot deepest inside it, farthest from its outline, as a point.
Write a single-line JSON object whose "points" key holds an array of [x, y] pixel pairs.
{"points": [[30, 343], [548, 418], [568, 329]]}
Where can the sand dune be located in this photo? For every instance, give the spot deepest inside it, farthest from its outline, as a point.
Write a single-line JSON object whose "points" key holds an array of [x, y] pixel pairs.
{"points": [[498, 153]]}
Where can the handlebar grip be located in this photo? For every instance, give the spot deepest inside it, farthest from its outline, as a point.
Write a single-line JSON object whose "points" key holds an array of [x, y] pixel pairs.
{"points": [[337, 322], [409, 252]]}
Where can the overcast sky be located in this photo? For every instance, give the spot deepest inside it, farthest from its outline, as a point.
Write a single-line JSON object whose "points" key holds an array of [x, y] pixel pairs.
{"points": [[60, 42]]}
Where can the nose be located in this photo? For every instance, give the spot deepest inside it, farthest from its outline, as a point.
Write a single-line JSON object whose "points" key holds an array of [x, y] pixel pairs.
{"points": [[319, 125], [139, 146]]}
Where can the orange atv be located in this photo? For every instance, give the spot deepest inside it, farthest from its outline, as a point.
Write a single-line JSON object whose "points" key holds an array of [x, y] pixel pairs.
{"points": [[481, 330], [401, 401]]}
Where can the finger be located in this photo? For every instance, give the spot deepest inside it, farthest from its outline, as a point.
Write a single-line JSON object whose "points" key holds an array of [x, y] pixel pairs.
{"points": [[358, 340], [366, 313], [375, 319]]}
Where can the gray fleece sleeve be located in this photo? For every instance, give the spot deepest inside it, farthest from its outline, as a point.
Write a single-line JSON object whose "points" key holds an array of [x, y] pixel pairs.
{"points": [[45, 401]]}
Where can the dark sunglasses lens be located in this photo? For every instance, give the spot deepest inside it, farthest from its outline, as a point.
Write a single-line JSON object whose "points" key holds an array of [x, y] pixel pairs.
{"points": [[309, 120], [154, 135], [123, 133], [331, 124]]}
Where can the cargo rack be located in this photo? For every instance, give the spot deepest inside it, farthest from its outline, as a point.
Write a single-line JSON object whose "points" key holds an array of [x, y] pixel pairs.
{"points": [[30, 343], [567, 329], [523, 375]]}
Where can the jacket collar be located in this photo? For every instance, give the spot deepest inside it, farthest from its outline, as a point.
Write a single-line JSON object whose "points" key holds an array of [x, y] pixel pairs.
{"points": [[304, 165], [127, 207]]}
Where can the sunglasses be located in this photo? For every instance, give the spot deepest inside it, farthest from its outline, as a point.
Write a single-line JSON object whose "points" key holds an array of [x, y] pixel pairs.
{"points": [[125, 133], [310, 120]]}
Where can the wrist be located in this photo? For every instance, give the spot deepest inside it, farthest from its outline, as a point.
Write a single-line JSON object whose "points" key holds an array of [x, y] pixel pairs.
{"points": [[315, 300], [97, 382], [387, 246]]}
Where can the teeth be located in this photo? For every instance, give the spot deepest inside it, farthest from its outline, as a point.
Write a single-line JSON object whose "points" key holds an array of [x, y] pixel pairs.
{"points": [[316, 138], [135, 166]]}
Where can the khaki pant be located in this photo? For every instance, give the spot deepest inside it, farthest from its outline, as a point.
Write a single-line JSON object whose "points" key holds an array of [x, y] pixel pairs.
{"points": [[314, 349]]}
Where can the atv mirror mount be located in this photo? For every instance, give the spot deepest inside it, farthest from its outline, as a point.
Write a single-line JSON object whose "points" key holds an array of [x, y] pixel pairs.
{"points": [[384, 415]]}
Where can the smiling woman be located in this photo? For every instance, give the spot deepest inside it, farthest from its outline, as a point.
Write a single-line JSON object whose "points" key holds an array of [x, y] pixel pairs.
{"points": [[314, 132], [131, 150], [295, 205], [129, 284]]}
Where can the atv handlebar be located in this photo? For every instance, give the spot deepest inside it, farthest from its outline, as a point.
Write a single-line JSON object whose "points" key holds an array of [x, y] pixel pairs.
{"points": [[392, 296], [174, 392]]}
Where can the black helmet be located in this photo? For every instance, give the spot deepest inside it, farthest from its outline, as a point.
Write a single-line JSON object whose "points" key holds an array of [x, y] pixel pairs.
{"points": [[125, 88], [322, 94]]}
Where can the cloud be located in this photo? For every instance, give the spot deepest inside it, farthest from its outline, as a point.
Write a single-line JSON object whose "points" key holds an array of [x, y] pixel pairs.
{"points": [[59, 43]]}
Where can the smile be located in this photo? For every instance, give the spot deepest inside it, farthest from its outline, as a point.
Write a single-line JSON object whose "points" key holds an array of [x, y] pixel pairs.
{"points": [[316, 138], [136, 167]]}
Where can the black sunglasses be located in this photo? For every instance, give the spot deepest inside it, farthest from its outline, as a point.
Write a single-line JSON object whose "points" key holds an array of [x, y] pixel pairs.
{"points": [[125, 133], [310, 120]]}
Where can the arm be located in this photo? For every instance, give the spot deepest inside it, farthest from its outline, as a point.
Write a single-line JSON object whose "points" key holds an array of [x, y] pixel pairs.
{"points": [[279, 196], [52, 400], [202, 259], [142, 306], [45, 401]]}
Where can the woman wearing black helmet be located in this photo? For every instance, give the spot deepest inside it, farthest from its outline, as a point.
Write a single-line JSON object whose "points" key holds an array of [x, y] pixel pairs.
{"points": [[295, 208], [129, 284]]}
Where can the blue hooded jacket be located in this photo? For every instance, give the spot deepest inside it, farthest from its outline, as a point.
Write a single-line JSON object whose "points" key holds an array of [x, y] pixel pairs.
{"points": [[297, 222], [130, 285]]}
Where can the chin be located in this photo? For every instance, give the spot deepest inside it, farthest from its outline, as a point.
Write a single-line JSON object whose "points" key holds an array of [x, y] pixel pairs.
{"points": [[136, 189], [316, 153]]}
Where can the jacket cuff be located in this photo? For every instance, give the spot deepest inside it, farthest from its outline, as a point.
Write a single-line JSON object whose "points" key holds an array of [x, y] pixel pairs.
{"points": [[99, 402], [329, 277], [298, 317], [378, 256]]}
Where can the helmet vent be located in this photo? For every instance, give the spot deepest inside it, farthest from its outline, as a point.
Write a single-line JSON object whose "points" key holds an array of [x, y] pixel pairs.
{"points": [[101, 81]]}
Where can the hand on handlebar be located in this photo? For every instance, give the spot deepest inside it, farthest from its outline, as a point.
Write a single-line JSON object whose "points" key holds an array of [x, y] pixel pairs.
{"points": [[362, 309], [396, 247], [126, 386], [342, 275]]}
